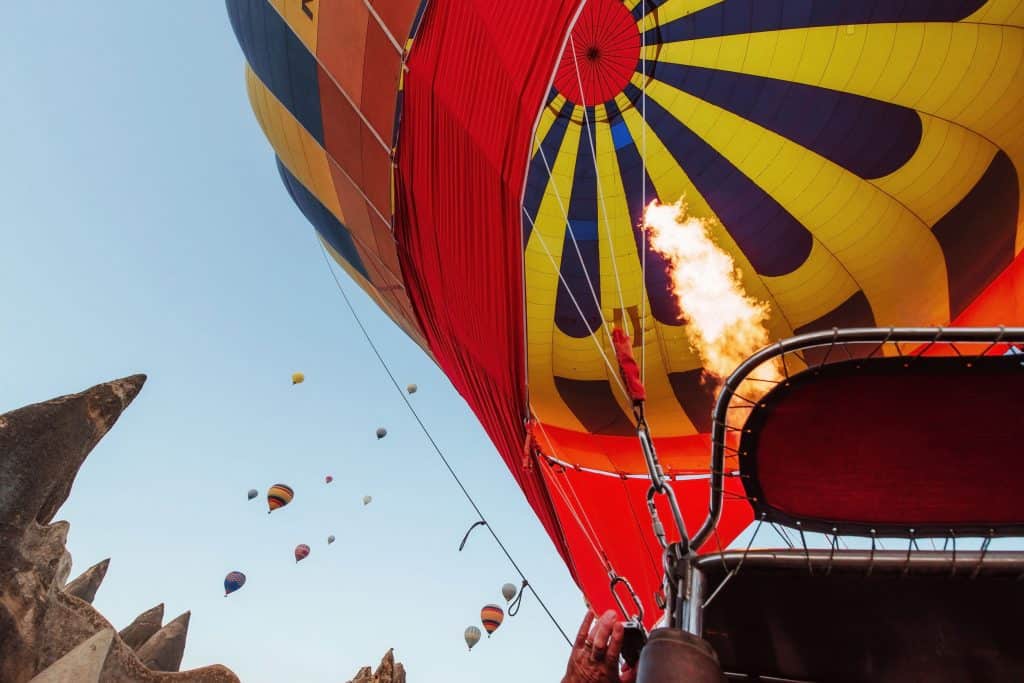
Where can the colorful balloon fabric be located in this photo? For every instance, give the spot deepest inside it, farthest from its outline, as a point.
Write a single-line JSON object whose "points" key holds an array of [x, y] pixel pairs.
{"points": [[252, 494], [298, 378], [301, 552], [472, 636], [330, 539], [367, 500], [328, 479], [860, 162], [381, 432], [491, 617], [509, 591], [232, 582], [278, 496]]}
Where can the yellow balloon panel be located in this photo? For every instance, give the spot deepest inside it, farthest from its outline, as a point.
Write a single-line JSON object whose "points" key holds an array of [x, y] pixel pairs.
{"points": [[858, 162]]}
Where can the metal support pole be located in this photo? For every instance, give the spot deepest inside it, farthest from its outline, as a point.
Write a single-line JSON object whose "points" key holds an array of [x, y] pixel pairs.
{"points": [[693, 604]]}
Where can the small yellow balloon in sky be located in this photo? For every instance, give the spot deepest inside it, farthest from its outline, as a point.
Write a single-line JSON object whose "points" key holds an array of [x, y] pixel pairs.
{"points": [[298, 378]]}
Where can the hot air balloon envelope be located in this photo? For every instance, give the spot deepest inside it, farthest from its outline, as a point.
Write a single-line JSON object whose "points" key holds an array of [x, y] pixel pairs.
{"points": [[412, 388], [279, 495], [381, 432], [472, 636], [328, 479], [233, 581], [253, 493], [330, 539], [367, 500], [860, 163], [491, 616], [509, 591], [301, 552], [298, 378]]}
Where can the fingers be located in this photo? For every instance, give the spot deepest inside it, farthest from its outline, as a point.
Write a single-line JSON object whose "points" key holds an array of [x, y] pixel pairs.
{"points": [[615, 645], [600, 635], [581, 637]]}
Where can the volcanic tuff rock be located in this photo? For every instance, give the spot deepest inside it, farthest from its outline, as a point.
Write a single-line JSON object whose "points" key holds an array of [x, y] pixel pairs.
{"points": [[143, 627], [49, 632], [387, 672], [86, 585]]}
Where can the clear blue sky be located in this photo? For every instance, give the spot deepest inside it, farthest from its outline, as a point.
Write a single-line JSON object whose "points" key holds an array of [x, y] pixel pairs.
{"points": [[145, 230]]}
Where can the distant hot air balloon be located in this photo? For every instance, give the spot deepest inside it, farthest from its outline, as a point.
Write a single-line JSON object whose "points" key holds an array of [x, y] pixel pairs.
{"points": [[232, 582], [328, 479], [330, 539], [509, 590], [367, 500], [278, 496], [301, 552], [411, 388], [298, 378], [491, 616], [381, 432], [472, 636], [253, 493]]}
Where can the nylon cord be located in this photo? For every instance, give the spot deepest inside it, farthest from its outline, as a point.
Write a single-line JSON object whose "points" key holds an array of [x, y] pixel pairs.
{"points": [[433, 443]]}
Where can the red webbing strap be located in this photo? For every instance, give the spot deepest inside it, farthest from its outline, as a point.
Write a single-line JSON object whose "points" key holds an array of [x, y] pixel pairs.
{"points": [[628, 367]]}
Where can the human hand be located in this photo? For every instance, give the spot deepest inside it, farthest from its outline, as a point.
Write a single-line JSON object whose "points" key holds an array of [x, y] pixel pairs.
{"points": [[595, 654]]}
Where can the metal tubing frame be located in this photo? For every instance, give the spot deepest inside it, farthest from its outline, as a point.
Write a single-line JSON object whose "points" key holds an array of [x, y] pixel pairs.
{"points": [[880, 335]]}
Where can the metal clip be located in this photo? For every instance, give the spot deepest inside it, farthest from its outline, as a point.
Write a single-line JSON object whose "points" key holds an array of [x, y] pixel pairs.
{"points": [[619, 580], [659, 486]]}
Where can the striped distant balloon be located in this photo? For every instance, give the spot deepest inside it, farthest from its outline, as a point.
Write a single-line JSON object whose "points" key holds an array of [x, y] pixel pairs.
{"points": [[278, 496], [301, 552], [232, 582], [491, 616]]}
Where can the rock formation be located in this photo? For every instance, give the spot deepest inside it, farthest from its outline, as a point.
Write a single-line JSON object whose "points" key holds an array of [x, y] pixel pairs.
{"points": [[86, 585], [164, 650], [49, 632], [388, 672], [143, 627]]}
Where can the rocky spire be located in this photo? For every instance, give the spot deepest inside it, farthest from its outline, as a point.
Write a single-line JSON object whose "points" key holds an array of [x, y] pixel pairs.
{"points": [[142, 629], [165, 648], [83, 664], [86, 585], [46, 635], [44, 444], [388, 672]]}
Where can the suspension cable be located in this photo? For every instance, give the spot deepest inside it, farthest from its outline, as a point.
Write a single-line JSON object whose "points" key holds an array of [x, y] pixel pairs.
{"points": [[433, 443]]}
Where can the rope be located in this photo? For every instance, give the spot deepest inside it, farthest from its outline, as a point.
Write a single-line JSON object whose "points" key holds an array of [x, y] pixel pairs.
{"points": [[468, 532], [572, 236], [597, 179], [517, 602], [612, 370], [433, 443], [643, 200]]}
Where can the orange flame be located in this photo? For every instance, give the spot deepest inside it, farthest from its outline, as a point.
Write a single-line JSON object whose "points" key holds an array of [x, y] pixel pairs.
{"points": [[724, 324]]}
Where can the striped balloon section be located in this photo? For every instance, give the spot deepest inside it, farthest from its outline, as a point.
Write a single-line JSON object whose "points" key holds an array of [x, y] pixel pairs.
{"points": [[325, 82], [278, 496], [491, 617], [859, 161]]}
